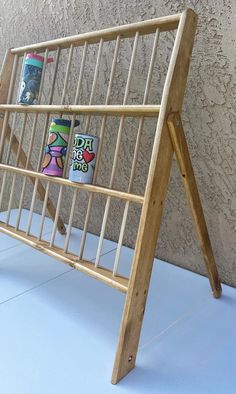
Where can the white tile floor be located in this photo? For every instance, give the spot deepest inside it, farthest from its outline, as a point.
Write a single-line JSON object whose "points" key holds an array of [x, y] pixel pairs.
{"points": [[59, 328]]}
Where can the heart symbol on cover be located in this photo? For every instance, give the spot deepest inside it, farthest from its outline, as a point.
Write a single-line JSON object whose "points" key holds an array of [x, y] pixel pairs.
{"points": [[87, 156]]}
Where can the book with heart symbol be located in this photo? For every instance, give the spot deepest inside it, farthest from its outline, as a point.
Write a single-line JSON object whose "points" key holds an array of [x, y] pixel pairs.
{"points": [[83, 158]]}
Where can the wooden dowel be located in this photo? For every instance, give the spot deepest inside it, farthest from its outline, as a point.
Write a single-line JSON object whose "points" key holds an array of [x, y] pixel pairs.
{"points": [[68, 230], [11, 137], [107, 207], [136, 151], [14, 119], [32, 207], [13, 79], [67, 73], [81, 73], [101, 136], [17, 163], [21, 203], [96, 71], [2, 188], [62, 102], [56, 216], [43, 75], [5, 75], [109, 110], [145, 27], [82, 186], [3, 132], [42, 220]]}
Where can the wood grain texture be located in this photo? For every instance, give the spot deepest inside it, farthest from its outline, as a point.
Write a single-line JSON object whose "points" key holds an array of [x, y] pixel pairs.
{"points": [[102, 274], [108, 110], [154, 198], [181, 151], [83, 186]]}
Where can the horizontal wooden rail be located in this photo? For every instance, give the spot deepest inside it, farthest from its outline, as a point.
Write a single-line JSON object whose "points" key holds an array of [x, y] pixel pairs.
{"points": [[125, 31], [82, 186], [102, 274], [112, 110]]}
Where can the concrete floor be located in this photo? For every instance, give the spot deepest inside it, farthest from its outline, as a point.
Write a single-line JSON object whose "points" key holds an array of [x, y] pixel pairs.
{"points": [[59, 328]]}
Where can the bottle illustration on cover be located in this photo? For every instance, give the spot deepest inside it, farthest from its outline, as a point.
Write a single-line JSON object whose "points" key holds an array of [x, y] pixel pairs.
{"points": [[84, 158], [31, 78], [55, 151]]}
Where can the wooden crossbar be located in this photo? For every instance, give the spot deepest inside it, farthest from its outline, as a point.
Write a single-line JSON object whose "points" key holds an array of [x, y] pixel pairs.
{"points": [[118, 282], [145, 27], [108, 110], [82, 186]]}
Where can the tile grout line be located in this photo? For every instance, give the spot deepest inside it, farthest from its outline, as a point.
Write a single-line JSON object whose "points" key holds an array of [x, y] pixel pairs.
{"points": [[47, 281], [174, 323]]}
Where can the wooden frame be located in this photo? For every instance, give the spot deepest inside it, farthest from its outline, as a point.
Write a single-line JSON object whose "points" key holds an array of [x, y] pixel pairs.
{"points": [[169, 139]]}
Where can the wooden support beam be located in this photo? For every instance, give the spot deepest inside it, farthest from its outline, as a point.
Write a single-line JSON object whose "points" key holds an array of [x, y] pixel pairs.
{"points": [[182, 154], [156, 188]]}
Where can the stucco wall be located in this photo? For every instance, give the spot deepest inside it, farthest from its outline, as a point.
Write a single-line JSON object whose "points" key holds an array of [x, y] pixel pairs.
{"points": [[209, 113]]}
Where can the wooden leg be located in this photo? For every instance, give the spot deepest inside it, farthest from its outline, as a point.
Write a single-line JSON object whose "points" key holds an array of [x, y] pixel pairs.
{"points": [[181, 150], [143, 260], [40, 189]]}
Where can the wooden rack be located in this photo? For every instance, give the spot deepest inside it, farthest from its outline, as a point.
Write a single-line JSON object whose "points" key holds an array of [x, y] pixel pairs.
{"points": [[169, 138]]}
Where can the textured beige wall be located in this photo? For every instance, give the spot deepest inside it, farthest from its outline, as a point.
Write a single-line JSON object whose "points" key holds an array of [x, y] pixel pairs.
{"points": [[209, 114]]}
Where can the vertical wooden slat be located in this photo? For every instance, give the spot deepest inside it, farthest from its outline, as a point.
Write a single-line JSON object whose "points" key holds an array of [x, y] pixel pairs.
{"points": [[56, 216], [81, 73], [68, 150], [17, 163], [45, 129], [68, 230], [136, 150], [101, 136], [68, 67], [43, 212], [32, 207], [65, 85], [107, 206], [96, 71]]}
